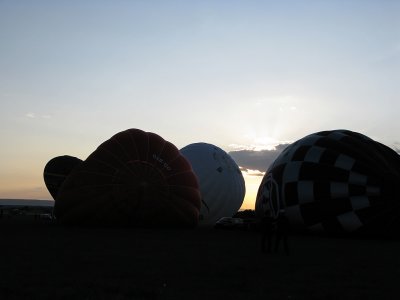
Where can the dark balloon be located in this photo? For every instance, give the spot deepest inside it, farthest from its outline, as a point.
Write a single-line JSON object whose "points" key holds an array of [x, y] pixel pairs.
{"points": [[335, 181], [57, 170], [134, 178]]}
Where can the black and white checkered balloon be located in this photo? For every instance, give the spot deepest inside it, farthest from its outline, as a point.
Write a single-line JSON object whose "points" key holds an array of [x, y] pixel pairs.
{"points": [[335, 181]]}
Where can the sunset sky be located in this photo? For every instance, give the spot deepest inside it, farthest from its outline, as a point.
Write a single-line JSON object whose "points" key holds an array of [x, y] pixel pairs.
{"points": [[243, 75]]}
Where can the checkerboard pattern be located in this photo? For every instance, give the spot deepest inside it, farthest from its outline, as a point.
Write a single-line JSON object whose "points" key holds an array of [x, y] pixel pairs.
{"points": [[334, 181]]}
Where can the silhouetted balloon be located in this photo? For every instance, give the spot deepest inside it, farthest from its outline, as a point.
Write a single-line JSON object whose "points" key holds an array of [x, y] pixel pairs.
{"points": [[221, 181], [57, 170], [335, 181], [135, 178]]}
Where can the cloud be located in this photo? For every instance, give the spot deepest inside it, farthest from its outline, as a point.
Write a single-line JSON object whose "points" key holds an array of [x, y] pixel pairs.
{"points": [[30, 115], [250, 172], [256, 161], [33, 115]]}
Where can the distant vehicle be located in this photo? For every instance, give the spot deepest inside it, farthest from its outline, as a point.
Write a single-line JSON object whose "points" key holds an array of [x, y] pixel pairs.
{"points": [[251, 224], [15, 211], [48, 217], [229, 223]]}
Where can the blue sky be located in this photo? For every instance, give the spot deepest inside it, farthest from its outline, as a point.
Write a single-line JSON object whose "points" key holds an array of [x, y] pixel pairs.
{"points": [[238, 74]]}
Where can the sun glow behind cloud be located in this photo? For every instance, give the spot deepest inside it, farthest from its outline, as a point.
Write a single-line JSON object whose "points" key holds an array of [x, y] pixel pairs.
{"points": [[259, 144], [253, 180], [254, 161], [268, 118]]}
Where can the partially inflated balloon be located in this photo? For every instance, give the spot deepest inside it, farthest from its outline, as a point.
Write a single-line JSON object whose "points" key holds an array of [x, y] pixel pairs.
{"points": [[134, 178], [335, 181], [57, 170], [221, 181]]}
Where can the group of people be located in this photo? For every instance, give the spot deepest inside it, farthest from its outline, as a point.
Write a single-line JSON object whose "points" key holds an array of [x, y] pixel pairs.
{"points": [[275, 231]]}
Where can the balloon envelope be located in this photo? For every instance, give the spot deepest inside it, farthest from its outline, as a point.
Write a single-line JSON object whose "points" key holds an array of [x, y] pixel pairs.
{"points": [[221, 181], [57, 170], [135, 178], [335, 181]]}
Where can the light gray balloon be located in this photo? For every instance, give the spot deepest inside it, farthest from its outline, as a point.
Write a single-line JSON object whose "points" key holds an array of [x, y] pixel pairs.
{"points": [[221, 182]]}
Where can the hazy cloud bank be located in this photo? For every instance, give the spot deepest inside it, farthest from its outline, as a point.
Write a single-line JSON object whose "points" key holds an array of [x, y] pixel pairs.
{"points": [[256, 160], [256, 163], [251, 172]]}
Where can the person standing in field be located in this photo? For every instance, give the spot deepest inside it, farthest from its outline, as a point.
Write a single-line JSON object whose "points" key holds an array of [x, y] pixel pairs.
{"points": [[282, 231], [268, 229], [275, 230]]}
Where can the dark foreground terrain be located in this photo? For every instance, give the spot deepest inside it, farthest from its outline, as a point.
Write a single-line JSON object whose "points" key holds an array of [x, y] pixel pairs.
{"points": [[43, 261]]}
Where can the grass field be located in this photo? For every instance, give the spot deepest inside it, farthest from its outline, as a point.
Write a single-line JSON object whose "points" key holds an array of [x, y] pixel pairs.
{"points": [[43, 261]]}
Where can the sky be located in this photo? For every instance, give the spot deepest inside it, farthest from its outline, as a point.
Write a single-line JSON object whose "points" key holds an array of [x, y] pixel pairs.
{"points": [[248, 76]]}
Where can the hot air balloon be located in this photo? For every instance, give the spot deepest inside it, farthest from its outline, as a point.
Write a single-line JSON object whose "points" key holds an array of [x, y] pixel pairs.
{"points": [[335, 181], [221, 181], [134, 178], [57, 170]]}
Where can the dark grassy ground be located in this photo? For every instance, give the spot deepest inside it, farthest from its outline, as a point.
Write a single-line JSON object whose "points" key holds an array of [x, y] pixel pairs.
{"points": [[52, 262]]}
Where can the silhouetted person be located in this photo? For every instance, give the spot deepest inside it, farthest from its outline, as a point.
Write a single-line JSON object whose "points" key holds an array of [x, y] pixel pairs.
{"points": [[269, 227], [282, 231]]}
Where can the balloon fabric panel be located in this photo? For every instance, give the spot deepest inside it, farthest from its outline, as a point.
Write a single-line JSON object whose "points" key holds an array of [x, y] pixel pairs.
{"points": [[134, 178], [336, 181], [57, 170], [221, 182]]}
